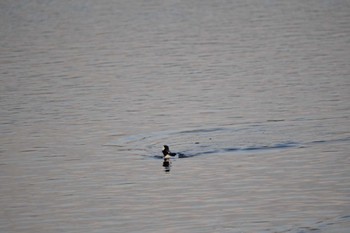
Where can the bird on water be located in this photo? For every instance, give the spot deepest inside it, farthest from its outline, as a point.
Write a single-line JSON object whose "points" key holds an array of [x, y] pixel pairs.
{"points": [[166, 151], [167, 154]]}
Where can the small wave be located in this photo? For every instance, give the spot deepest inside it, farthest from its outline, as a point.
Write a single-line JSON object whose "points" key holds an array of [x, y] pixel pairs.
{"points": [[336, 140], [201, 130], [275, 146], [320, 226]]}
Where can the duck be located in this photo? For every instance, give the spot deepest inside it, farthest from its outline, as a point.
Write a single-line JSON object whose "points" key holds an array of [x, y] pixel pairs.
{"points": [[166, 152]]}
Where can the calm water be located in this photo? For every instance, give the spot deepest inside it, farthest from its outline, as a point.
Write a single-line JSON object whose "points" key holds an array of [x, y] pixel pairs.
{"points": [[256, 95]]}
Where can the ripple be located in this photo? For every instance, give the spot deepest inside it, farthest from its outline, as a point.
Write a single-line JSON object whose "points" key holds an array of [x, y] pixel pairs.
{"points": [[253, 138], [203, 141], [319, 226]]}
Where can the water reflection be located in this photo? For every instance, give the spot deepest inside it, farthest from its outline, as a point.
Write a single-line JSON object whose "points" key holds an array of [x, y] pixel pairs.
{"points": [[167, 165], [167, 162]]}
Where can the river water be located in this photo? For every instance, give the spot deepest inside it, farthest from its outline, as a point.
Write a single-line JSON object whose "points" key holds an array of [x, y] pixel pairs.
{"points": [[254, 95]]}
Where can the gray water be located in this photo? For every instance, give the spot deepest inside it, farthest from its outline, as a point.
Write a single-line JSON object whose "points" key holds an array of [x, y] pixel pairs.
{"points": [[255, 94]]}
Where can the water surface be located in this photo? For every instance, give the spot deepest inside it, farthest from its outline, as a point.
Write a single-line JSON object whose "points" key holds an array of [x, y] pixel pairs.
{"points": [[253, 94]]}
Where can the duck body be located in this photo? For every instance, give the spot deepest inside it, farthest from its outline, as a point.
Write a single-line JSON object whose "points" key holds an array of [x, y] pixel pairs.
{"points": [[166, 151], [167, 156]]}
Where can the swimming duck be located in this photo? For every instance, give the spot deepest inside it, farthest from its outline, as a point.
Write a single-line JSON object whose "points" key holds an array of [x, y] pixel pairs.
{"points": [[167, 152]]}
